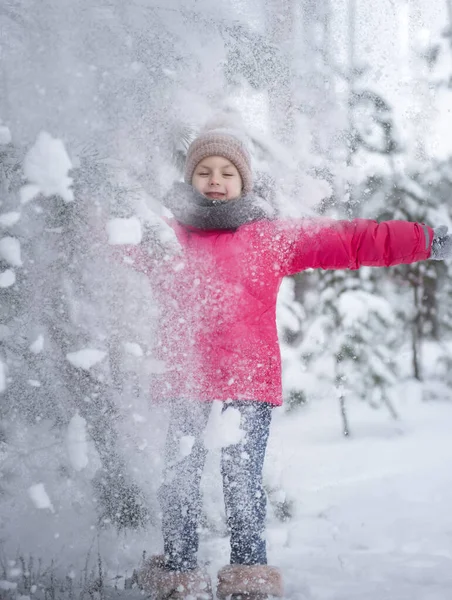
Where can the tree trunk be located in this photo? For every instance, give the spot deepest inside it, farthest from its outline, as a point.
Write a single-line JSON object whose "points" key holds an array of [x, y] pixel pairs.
{"points": [[344, 417], [280, 26], [348, 149], [449, 13], [341, 395], [351, 76], [389, 405], [416, 328], [430, 304]]}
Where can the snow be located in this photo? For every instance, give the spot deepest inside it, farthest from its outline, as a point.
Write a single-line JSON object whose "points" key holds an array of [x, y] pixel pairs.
{"points": [[9, 219], [7, 278], [38, 345], [7, 585], [138, 418], [223, 428], [157, 229], [186, 443], [46, 167], [2, 377], [124, 231], [156, 366], [133, 348], [356, 306], [39, 497], [14, 572], [10, 251], [76, 442], [314, 191], [86, 358], [5, 135], [28, 192], [371, 514], [34, 383]]}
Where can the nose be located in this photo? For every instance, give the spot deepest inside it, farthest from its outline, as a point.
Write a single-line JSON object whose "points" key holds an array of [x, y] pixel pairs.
{"points": [[214, 180]]}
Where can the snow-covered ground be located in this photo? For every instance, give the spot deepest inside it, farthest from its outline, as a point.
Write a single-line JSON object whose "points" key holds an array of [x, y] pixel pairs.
{"points": [[371, 514], [374, 512]]}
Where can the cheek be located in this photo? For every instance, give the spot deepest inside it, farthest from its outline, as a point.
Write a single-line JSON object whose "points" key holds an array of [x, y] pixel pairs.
{"points": [[235, 185], [197, 183], [234, 189]]}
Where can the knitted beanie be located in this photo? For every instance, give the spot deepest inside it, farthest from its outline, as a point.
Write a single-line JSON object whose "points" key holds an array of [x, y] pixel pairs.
{"points": [[221, 142]]}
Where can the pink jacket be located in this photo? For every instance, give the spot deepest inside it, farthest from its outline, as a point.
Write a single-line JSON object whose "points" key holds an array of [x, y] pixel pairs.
{"points": [[217, 334]]}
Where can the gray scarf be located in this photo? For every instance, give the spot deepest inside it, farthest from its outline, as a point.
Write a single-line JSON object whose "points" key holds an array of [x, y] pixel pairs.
{"points": [[190, 207]]}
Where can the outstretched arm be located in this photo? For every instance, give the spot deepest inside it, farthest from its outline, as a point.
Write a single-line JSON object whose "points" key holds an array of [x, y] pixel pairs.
{"points": [[330, 244]]}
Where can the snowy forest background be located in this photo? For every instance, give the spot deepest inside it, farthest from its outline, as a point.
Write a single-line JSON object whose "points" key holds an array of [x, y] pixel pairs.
{"points": [[348, 105]]}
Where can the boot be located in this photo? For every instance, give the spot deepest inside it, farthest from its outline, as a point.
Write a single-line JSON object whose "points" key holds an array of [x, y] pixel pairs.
{"points": [[249, 582], [162, 584]]}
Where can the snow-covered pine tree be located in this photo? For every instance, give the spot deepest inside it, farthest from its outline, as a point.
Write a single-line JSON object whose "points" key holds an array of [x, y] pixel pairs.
{"points": [[438, 180], [347, 347], [349, 343], [58, 341], [409, 185], [405, 197], [100, 396], [11, 305]]}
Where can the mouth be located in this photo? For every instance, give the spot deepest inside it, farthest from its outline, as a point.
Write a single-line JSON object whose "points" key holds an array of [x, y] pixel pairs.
{"points": [[215, 195]]}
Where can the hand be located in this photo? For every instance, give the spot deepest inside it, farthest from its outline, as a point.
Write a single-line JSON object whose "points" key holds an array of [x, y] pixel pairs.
{"points": [[442, 244]]}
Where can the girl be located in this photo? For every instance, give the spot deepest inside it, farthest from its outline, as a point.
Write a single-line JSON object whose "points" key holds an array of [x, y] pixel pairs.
{"points": [[218, 341]]}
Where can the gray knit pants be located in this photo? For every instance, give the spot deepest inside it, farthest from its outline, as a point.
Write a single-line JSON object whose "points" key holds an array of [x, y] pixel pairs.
{"points": [[241, 467]]}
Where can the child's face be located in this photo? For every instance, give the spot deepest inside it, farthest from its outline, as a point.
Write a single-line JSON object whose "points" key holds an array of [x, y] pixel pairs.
{"points": [[217, 178]]}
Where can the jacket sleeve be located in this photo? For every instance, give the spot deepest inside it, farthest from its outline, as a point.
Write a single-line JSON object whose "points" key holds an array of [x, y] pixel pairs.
{"points": [[330, 244]]}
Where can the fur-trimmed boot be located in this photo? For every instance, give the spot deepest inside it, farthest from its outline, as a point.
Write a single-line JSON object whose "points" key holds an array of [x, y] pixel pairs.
{"points": [[162, 584], [249, 582]]}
